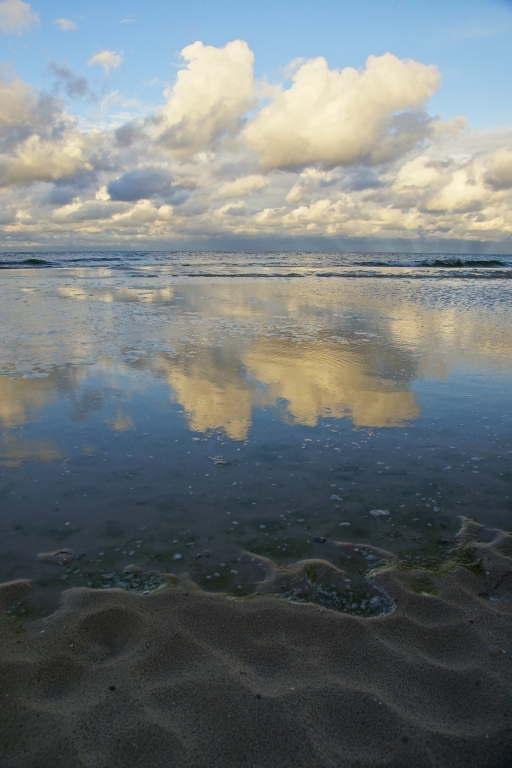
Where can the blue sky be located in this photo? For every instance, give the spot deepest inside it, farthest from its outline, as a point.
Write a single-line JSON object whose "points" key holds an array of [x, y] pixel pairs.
{"points": [[469, 42]]}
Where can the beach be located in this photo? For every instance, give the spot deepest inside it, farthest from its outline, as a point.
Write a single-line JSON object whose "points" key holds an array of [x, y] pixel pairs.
{"points": [[180, 677], [255, 384], [255, 521]]}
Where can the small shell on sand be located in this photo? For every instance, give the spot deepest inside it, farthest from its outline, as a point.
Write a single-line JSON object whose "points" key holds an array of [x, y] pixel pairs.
{"points": [[379, 512], [60, 557], [133, 568]]}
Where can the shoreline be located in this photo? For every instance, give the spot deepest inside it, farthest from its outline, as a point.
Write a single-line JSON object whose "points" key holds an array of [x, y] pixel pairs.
{"points": [[181, 677]]}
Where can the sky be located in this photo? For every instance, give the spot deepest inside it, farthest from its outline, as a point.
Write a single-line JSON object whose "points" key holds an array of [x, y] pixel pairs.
{"points": [[373, 125]]}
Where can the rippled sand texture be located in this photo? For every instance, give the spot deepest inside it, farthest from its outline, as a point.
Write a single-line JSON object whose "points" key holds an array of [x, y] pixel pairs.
{"points": [[184, 678]]}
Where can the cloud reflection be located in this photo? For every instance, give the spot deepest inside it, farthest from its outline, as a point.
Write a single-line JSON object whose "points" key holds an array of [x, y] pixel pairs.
{"points": [[19, 396], [212, 390], [311, 349], [308, 382], [15, 451], [316, 381]]}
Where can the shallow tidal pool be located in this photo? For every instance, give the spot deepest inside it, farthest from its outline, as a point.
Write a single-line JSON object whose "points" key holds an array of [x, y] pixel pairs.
{"points": [[204, 427]]}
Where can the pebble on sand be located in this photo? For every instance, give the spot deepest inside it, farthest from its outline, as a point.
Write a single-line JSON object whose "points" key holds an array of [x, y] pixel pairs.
{"points": [[60, 557], [133, 568], [379, 512]]}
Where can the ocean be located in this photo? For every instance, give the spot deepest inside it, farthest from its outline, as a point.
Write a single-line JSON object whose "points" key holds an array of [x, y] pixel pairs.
{"points": [[273, 264]]}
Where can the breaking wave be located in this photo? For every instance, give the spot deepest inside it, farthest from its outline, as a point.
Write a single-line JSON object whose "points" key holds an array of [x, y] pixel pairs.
{"points": [[272, 264]]}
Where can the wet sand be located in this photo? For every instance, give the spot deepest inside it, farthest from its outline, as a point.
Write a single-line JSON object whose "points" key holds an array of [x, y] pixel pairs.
{"points": [[180, 677], [145, 418]]}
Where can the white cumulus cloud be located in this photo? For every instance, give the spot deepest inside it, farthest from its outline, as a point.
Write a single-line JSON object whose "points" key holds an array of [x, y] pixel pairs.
{"points": [[38, 140], [106, 59], [499, 175], [339, 154], [17, 17], [209, 97], [332, 117], [242, 187], [66, 25], [17, 102]]}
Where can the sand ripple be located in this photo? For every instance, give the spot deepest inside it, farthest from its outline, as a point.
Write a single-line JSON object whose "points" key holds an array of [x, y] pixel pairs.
{"points": [[180, 677]]}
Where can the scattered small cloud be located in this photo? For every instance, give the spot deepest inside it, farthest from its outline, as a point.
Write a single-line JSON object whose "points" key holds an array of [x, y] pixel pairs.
{"points": [[246, 185], [17, 17], [127, 20], [65, 25], [107, 59], [74, 86], [290, 69]]}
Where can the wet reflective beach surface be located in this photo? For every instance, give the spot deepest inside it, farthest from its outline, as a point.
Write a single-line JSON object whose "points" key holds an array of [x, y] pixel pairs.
{"points": [[223, 427]]}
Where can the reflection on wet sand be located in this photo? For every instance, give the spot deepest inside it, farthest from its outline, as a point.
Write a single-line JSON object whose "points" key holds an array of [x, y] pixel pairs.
{"points": [[109, 295], [219, 386], [14, 451], [316, 380], [212, 391], [311, 381], [19, 396], [121, 423], [314, 348]]}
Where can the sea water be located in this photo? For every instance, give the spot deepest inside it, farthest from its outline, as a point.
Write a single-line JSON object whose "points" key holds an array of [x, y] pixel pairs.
{"points": [[201, 414]]}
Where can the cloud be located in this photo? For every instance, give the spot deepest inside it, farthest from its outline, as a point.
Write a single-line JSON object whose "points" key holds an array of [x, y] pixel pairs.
{"points": [[232, 209], [209, 97], [339, 118], [25, 113], [38, 159], [106, 59], [18, 103], [499, 175], [38, 140], [61, 195], [17, 17], [310, 182], [242, 187], [364, 178], [129, 133], [92, 210], [353, 155], [65, 25], [141, 184], [75, 86], [441, 187], [463, 193]]}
